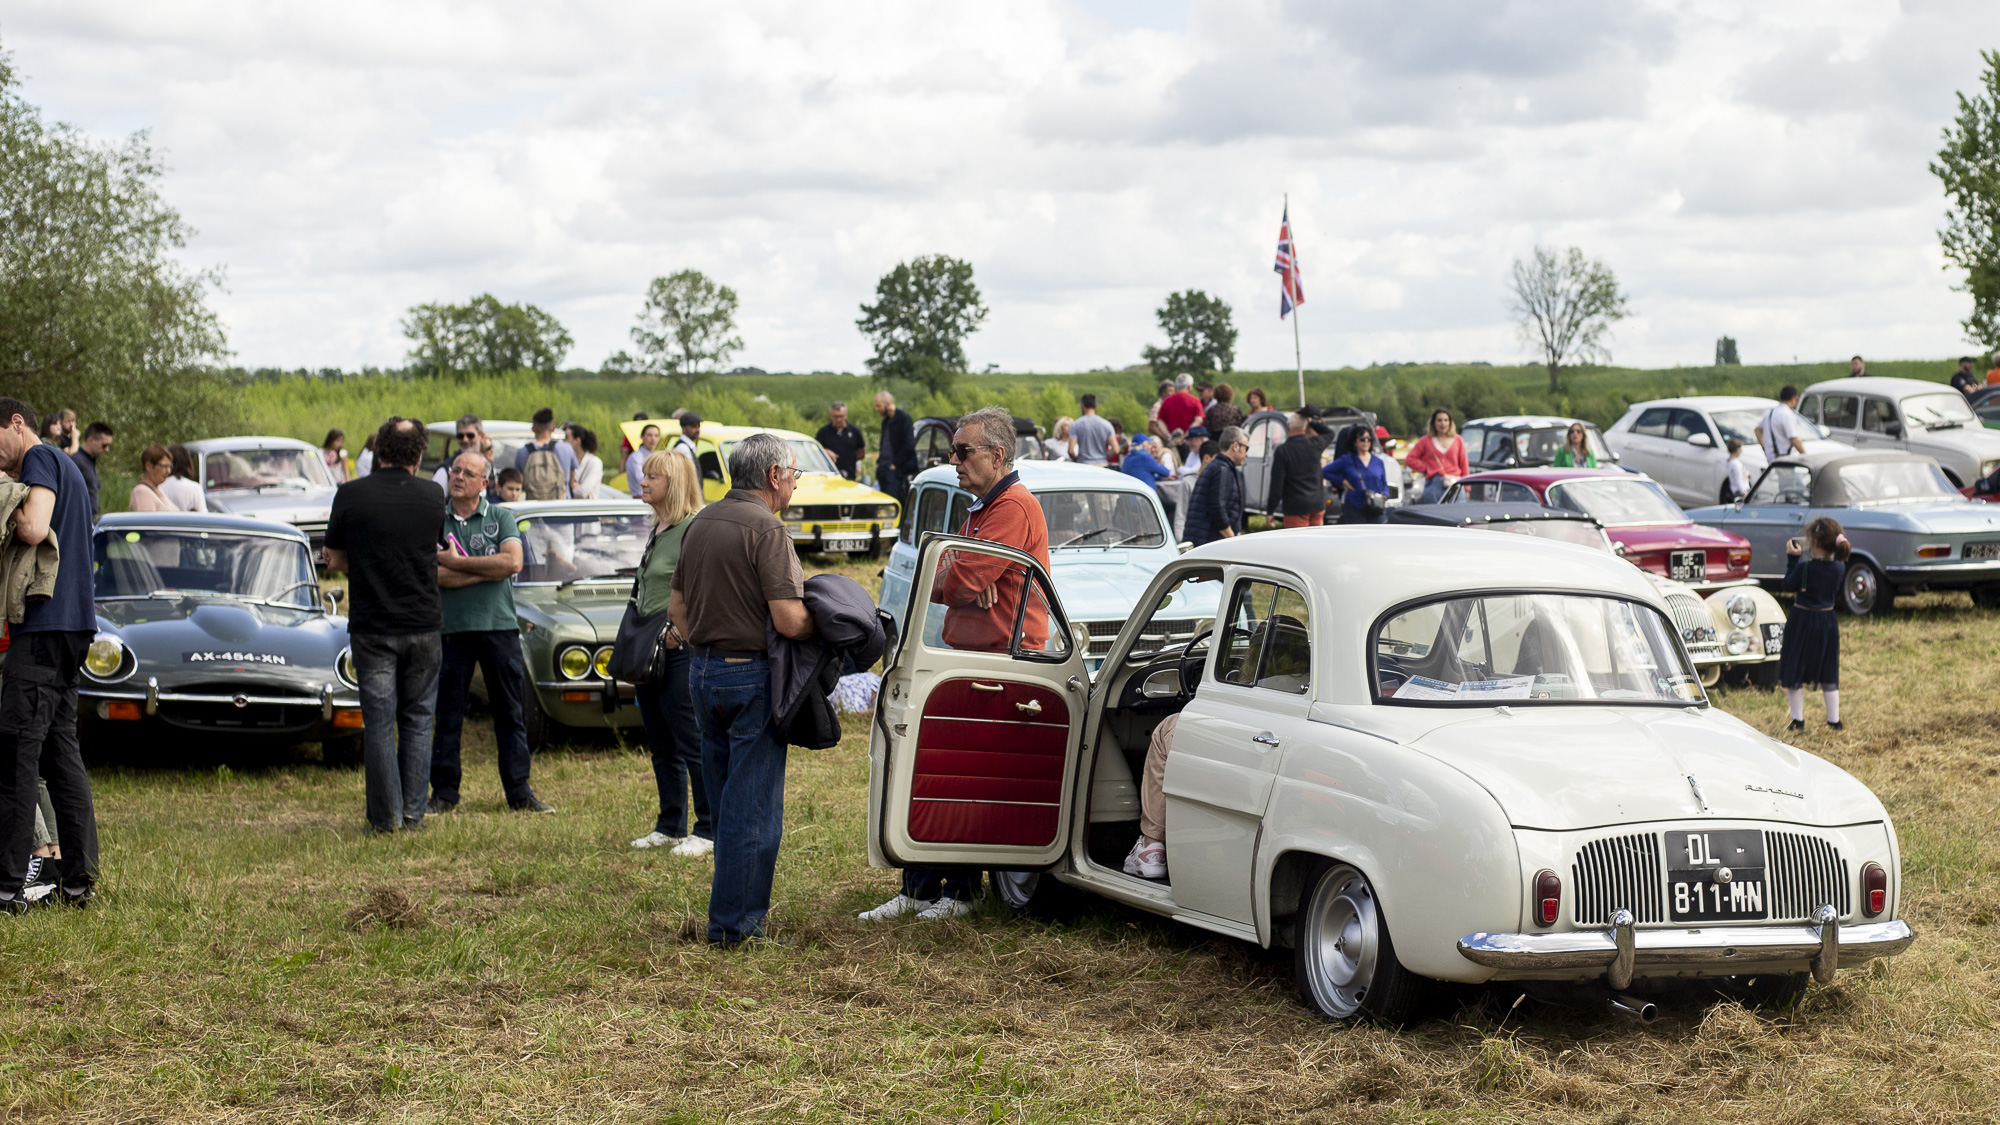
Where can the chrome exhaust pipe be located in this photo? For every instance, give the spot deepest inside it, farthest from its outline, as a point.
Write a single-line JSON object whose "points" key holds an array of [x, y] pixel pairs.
{"points": [[1632, 1008]]}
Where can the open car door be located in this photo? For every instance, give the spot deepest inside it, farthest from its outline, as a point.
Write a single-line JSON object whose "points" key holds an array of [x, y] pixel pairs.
{"points": [[974, 749]]}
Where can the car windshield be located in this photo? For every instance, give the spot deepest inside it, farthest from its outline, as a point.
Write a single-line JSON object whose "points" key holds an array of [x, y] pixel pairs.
{"points": [[266, 468], [1741, 425], [1531, 648], [812, 459], [1561, 531], [1946, 409], [1614, 502], [1896, 480], [1092, 518], [144, 563], [582, 548], [1540, 446]]}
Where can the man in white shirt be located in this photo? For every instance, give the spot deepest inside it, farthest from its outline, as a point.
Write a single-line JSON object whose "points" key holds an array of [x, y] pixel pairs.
{"points": [[685, 444], [635, 465], [1090, 435], [1778, 433]]}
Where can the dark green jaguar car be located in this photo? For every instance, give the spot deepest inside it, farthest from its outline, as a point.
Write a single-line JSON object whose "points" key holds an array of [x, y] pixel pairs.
{"points": [[578, 560]]}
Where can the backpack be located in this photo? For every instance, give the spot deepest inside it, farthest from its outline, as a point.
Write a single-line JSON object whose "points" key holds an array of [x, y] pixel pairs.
{"points": [[542, 475]]}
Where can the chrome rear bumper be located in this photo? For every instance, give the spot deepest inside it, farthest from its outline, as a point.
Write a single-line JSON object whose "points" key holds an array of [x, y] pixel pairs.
{"points": [[1621, 950]]}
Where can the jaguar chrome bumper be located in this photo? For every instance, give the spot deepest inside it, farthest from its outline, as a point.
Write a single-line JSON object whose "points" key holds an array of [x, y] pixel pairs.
{"points": [[1621, 950]]}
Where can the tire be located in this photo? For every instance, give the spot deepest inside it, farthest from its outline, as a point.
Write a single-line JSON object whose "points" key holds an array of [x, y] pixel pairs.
{"points": [[1863, 590], [541, 729], [1031, 893], [1987, 596], [341, 753], [1343, 958]]}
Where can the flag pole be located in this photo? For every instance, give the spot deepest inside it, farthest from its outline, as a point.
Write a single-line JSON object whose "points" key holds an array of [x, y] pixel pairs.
{"points": [[1298, 356]]}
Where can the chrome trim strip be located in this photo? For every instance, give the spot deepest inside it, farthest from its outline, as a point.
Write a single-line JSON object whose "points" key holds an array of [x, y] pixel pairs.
{"points": [[578, 685], [1709, 945], [973, 801], [153, 698], [1007, 722]]}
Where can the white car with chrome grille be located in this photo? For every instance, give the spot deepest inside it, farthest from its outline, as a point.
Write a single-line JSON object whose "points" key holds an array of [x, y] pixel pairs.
{"points": [[1411, 765]]}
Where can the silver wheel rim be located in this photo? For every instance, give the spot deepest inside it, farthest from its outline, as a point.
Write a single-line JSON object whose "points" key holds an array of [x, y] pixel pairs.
{"points": [[1861, 588], [1016, 887], [1342, 935]]}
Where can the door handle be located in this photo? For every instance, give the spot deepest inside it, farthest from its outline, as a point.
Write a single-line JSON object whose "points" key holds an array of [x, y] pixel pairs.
{"points": [[1265, 739], [977, 686], [1032, 706]]}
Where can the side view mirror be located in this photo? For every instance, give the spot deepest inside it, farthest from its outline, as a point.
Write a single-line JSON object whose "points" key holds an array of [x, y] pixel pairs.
{"points": [[1186, 546], [334, 595], [1702, 440], [1618, 549], [1616, 457], [1892, 427]]}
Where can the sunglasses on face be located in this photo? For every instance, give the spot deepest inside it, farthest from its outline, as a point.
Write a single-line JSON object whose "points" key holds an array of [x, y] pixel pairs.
{"points": [[468, 436], [964, 452]]}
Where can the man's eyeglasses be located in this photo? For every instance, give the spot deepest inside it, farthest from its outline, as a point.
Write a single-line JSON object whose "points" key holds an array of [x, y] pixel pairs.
{"points": [[964, 452], [795, 472], [468, 474]]}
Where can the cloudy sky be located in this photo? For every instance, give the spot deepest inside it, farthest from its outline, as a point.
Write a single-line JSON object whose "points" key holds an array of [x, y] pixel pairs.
{"points": [[1754, 168]]}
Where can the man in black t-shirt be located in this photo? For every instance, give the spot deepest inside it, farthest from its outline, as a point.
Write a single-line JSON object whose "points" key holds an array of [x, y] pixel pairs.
{"points": [[383, 531], [1965, 380], [44, 661], [842, 440]]}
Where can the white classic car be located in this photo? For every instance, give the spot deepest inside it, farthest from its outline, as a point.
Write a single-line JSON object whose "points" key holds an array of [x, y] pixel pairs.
{"points": [[1411, 765], [1683, 442]]}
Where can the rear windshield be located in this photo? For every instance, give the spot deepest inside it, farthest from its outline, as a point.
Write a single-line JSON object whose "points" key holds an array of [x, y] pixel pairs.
{"points": [[1531, 648], [1896, 480]]}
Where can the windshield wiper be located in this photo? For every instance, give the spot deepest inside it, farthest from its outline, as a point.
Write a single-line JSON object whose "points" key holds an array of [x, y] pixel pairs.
{"points": [[1087, 535], [1935, 426]]}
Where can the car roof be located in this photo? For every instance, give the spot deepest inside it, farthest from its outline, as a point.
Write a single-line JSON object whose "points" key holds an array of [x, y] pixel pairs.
{"points": [[1372, 568], [1547, 475], [1050, 476], [1457, 515], [1524, 422], [1828, 491], [490, 426], [1708, 402], [198, 521], [232, 444], [1881, 385], [601, 506]]}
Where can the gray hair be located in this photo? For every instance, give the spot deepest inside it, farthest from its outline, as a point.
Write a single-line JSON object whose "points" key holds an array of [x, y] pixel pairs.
{"points": [[1184, 382], [996, 428], [751, 462], [837, 406], [1233, 434], [473, 421]]}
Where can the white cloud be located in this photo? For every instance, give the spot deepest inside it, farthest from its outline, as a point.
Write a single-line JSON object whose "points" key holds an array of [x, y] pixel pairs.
{"points": [[1756, 170]]}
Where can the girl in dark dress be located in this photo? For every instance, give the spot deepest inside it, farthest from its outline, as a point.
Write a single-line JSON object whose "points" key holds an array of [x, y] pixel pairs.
{"points": [[1811, 656]]}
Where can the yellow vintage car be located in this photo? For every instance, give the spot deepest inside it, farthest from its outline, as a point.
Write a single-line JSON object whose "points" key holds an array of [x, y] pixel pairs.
{"points": [[828, 512]]}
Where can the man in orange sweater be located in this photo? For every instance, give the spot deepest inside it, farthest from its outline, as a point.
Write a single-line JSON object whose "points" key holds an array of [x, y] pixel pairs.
{"points": [[982, 598]]}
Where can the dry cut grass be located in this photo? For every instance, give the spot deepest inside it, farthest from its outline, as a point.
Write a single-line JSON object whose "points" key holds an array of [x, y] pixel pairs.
{"points": [[256, 959]]}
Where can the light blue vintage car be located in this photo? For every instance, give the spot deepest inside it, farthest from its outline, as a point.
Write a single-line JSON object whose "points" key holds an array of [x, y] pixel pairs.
{"points": [[1108, 536], [1909, 528]]}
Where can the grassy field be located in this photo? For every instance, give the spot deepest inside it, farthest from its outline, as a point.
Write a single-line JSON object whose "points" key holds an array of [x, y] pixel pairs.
{"points": [[254, 958]]}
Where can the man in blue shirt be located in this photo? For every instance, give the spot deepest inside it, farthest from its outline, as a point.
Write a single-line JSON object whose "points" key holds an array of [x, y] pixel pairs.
{"points": [[1144, 462], [38, 693]]}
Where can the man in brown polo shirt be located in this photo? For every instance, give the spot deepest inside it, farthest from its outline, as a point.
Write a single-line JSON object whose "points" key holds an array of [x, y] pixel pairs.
{"points": [[737, 576]]}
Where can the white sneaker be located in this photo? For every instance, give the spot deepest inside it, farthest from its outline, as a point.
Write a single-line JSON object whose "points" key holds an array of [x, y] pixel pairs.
{"points": [[694, 847], [895, 908], [1147, 859], [656, 840], [946, 907]]}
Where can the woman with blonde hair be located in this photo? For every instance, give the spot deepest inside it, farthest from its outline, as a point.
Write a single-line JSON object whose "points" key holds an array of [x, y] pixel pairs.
{"points": [[669, 485]]}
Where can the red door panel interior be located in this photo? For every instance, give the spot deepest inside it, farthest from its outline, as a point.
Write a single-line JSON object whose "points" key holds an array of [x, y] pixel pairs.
{"points": [[987, 771]]}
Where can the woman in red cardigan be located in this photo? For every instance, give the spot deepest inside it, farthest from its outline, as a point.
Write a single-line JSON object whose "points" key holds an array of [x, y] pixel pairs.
{"points": [[1439, 455]]}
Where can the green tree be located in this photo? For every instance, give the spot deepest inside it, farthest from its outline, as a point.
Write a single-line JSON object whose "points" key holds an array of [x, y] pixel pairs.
{"points": [[1969, 167], [1565, 304], [96, 312], [923, 311], [687, 328], [1201, 339], [485, 337]]}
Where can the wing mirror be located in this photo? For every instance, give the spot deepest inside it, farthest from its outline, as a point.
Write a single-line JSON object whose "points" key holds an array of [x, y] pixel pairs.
{"points": [[334, 596], [1701, 439], [1185, 546], [1618, 549]]}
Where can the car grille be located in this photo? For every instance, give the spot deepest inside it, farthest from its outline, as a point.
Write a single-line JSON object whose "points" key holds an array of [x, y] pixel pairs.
{"points": [[227, 717], [839, 512], [1157, 637], [1801, 873], [1696, 627]]}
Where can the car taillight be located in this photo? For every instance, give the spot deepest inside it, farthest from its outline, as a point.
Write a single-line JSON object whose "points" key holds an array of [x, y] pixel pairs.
{"points": [[1874, 889], [1548, 897], [1739, 558]]}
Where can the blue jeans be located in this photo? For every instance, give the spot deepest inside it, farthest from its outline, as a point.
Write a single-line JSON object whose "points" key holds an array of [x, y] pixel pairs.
{"points": [[499, 654], [743, 763], [399, 682], [675, 743]]}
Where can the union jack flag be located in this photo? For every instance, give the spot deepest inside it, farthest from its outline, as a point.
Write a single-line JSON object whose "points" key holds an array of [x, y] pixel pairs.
{"points": [[1291, 285]]}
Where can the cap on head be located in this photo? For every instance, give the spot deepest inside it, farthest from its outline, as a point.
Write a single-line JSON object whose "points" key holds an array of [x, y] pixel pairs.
{"points": [[690, 420]]}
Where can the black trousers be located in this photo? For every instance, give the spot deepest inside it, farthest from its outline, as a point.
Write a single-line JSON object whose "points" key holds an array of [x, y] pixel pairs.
{"points": [[38, 739]]}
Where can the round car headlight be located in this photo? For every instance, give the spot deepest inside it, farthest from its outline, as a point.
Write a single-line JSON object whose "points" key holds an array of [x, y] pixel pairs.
{"points": [[573, 662], [104, 657], [1739, 642], [345, 669], [601, 663], [1742, 610]]}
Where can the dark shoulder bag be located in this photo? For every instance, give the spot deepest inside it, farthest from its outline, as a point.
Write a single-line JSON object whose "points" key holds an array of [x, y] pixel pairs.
{"points": [[639, 653]]}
